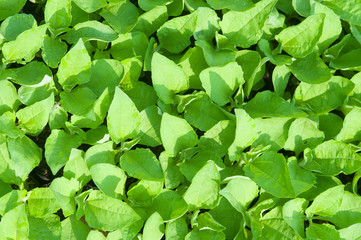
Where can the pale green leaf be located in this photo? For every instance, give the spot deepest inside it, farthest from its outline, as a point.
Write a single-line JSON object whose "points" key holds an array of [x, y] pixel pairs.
{"points": [[300, 40], [74, 67], [123, 117], [109, 178], [142, 163], [176, 134], [203, 193], [245, 28]]}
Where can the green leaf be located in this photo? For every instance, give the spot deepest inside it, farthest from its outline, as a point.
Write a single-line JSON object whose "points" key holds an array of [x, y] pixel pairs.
{"points": [[170, 205], [71, 228], [141, 194], [58, 147], [205, 234], [271, 54], [351, 232], [11, 200], [320, 72], [94, 234], [280, 78], [203, 193], [25, 155], [245, 28], [58, 13], [151, 20], [347, 10], [220, 83], [219, 138], [34, 73], [10, 102], [235, 5], [22, 50], [351, 128], [273, 225], [300, 40], [172, 174], [41, 202], [90, 30], [322, 184], [100, 153], [302, 180], [128, 45], [47, 227], [110, 70], [53, 51], [5, 188], [331, 24], [206, 221], [7, 171], [193, 63], [168, 78], [64, 191], [109, 179], [271, 173], [99, 208], [14, 25], [147, 5], [142, 163], [278, 107], [34, 118], [347, 61], [29, 95], [240, 192], [294, 214], [123, 117], [215, 56], [331, 158], [174, 35], [176, 134], [193, 164], [150, 127], [348, 213], [207, 24], [153, 227], [14, 224], [202, 113], [74, 67], [245, 134], [303, 133], [132, 70], [90, 6], [121, 15], [324, 97], [10, 8], [76, 167], [7, 125], [327, 203], [176, 229], [271, 132], [226, 215]]}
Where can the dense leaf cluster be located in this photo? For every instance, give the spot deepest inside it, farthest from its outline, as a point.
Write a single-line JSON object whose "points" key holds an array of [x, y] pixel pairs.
{"points": [[180, 119]]}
